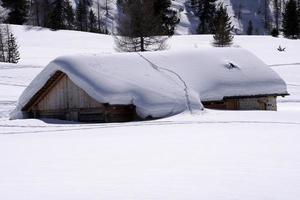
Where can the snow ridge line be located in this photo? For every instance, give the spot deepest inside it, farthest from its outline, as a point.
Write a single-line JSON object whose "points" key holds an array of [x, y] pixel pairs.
{"points": [[286, 64], [159, 69]]}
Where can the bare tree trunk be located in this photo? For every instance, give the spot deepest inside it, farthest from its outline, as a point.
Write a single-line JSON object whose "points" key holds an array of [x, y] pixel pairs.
{"points": [[276, 6], [142, 44], [266, 12], [37, 13], [2, 45], [106, 16], [99, 15]]}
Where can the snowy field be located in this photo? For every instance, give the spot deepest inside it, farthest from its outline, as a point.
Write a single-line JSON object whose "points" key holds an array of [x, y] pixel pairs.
{"points": [[216, 155]]}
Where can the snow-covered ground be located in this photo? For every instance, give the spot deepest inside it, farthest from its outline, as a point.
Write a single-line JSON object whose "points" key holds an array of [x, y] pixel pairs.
{"points": [[249, 155]]}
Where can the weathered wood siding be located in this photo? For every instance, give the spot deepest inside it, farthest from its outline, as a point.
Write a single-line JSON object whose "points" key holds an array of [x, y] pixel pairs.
{"points": [[262, 103], [65, 100], [253, 103], [66, 95]]}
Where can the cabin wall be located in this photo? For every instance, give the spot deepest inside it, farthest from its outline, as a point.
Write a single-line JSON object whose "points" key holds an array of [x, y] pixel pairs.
{"points": [[66, 95], [254, 103], [262, 103], [66, 101]]}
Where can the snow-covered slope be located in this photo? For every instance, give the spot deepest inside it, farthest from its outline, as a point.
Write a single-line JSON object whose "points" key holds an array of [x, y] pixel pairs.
{"points": [[241, 12], [217, 155], [48, 45]]}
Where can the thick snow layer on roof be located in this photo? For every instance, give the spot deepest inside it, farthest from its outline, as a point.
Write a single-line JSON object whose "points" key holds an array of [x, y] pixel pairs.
{"points": [[216, 73], [163, 83]]}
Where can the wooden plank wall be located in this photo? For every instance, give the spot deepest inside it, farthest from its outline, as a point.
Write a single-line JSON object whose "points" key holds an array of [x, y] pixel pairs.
{"points": [[66, 95]]}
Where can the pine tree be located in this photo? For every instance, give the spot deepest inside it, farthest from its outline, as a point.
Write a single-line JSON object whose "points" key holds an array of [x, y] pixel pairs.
{"points": [[13, 55], [18, 10], [3, 13], [45, 5], [291, 20], [169, 19], [57, 15], [139, 27], [250, 28], [8, 46], [299, 18], [82, 16], [276, 5], [206, 10], [92, 21], [69, 14], [223, 36], [2, 44]]}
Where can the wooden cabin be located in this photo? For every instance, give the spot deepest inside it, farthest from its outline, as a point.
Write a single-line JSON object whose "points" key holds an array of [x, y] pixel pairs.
{"points": [[61, 99], [123, 87]]}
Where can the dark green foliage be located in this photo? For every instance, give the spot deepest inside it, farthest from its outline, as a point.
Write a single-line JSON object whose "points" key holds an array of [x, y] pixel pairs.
{"points": [[2, 45], [18, 11], [8, 46], [169, 19], [275, 32], [250, 28], [57, 15], [139, 26], [291, 20], [223, 36], [13, 54], [69, 15], [61, 15], [206, 10], [92, 22], [82, 16]]}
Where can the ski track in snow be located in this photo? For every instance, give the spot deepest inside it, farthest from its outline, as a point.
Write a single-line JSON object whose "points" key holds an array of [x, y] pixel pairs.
{"points": [[286, 64], [158, 68], [142, 124]]}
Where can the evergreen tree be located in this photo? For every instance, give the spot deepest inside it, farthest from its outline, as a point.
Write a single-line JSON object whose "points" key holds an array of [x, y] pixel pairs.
{"points": [[82, 16], [276, 5], [275, 32], [299, 17], [250, 28], [45, 5], [223, 36], [13, 55], [18, 10], [57, 15], [8, 46], [169, 19], [3, 13], [69, 14], [139, 27], [92, 21], [291, 20], [2, 44], [206, 10]]}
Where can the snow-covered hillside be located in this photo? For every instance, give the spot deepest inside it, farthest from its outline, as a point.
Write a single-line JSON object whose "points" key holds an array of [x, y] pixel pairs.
{"points": [[241, 12], [50, 44], [217, 155]]}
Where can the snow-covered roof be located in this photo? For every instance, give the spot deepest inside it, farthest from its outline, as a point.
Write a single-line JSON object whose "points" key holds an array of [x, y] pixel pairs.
{"points": [[163, 83]]}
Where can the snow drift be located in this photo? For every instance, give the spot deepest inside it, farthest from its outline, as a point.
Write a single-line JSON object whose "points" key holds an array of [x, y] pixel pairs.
{"points": [[164, 83]]}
